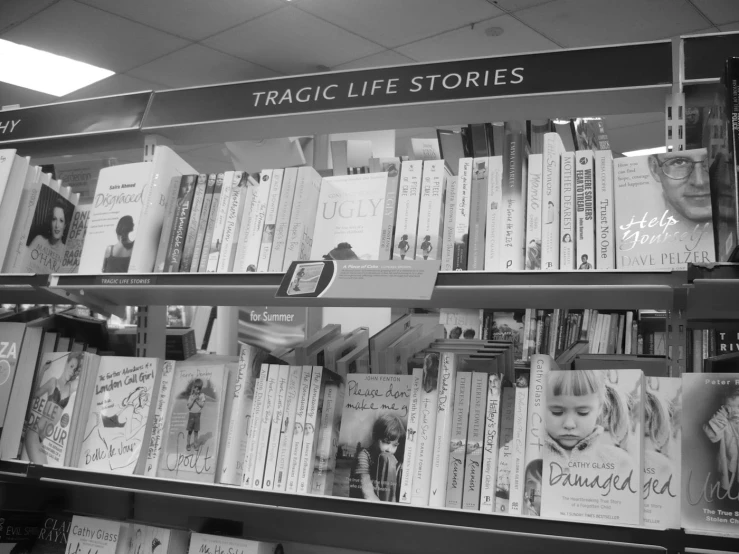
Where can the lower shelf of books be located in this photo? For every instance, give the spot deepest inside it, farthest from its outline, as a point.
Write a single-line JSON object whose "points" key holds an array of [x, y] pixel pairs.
{"points": [[351, 524]]}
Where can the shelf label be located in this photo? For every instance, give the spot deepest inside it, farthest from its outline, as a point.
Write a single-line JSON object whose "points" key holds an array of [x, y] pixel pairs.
{"points": [[350, 279], [123, 280]]}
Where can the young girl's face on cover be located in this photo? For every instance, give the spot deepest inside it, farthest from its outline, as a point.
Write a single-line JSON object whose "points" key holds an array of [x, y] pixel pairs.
{"points": [[385, 445], [571, 418]]}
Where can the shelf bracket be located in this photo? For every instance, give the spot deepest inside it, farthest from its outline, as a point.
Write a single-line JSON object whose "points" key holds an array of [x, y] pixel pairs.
{"points": [[151, 332]]}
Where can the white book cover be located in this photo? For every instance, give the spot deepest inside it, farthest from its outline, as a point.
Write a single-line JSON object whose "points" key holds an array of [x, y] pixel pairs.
{"points": [[593, 446], [411, 438], [328, 438], [462, 214], [216, 243], [458, 443], [270, 220], [253, 238], [490, 449], [248, 221], [91, 533], [287, 429], [21, 216], [431, 211], [310, 431], [349, 222], [217, 544], [518, 469], [255, 423], [390, 166], [540, 367], [551, 204], [514, 201], [265, 425], [478, 214], [534, 212], [475, 442], [303, 217], [584, 222], [234, 218], [160, 413], [14, 175], [443, 432], [276, 427], [282, 225], [165, 165], [450, 212], [296, 447], [628, 346], [409, 202], [171, 205], [605, 208], [118, 432], [567, 207], [494, 222], [505, 450], [426, 430]]}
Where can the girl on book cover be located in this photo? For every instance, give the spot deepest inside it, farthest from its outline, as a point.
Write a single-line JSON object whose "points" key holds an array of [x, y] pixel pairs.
{"points": [[723, 429], [48, 236], [426, 247], [403, 246], [375, 473], [118, 255], [657, 434]]}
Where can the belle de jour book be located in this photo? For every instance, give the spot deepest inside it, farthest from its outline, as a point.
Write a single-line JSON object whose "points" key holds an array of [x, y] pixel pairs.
{"points": [[350, 218], [663, 211], [194, 421], [118, 432], [593, 446], [372, 437]]}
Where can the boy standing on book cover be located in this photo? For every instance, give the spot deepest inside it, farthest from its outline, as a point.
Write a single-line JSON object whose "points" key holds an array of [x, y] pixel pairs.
{"points": [[376, 471], [195, 404]]}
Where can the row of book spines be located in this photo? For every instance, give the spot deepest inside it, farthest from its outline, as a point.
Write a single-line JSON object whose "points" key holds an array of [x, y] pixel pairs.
{"points": [[707, 343]]}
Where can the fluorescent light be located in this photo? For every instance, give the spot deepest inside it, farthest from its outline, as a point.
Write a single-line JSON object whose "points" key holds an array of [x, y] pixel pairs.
{"points": [[28, 67], [647, 151]]}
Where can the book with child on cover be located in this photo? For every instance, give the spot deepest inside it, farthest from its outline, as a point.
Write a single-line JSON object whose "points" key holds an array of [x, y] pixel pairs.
{"points": [[593, 446], [372, 437]]}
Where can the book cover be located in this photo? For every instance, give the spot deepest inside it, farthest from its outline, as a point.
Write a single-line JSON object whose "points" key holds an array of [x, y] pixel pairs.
{"points": [[265, 425], [450, 212], [584, 222], [490, 446], [541, 365], [670, 225], [278, 415], [284, 214], [193, 224], [506, 326], [250, 241], [475, 440], [505, 449], [19, 531], [494, 221], [255, 423], [518, 469], [462, 215], [167, 223], [15, 176], [514, 201], [87, 534], [426, 430], [161, 405], [409, 201], [391, 166], [200, 243], [328, 437], [287, 428], [302, 217], [431, 211], [193, 422], [551, 201], [605, 228], [372, 437], [239, 197], [53, 535], [350, 218], [209, 242], [270, 220], [478, 214], [76, 239], [177, 237], [593, 446], [217, 544], [216, 239], [296, 446], [443, 432], [411, 438], [567, 219], [11, 340], [534, 213], [458, 444], [461, 324], [118, 432], [662, 437]]}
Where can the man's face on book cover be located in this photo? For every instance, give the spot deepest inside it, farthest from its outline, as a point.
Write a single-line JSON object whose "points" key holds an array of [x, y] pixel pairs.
{"points": [[685, 182]]}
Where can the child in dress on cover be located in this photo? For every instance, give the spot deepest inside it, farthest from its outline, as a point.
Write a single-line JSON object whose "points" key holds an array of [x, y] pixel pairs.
{"points": [[657, 434], [375, 473], [195, 403], [723, 428], [576, 403]]}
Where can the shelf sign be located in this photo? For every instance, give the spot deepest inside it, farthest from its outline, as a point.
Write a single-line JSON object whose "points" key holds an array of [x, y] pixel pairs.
{"points": [[125, 281], [83, 117], [360, 279], [646, 64]]}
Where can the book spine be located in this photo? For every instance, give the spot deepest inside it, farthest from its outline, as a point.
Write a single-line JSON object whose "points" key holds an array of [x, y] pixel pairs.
{"points": [[551, 202], [567, 204], [302, 221], [313, 409], [160, 414], [282, 225], [409, 199], [462, 215], [323, 473], [276, 428], [287, 428], [494, 214], [490, 446], [202, 225], [431, 211], [540, 367], [443, 433], [606, 237], [19, 236], [518, 471], [585, 243], [505, 450], [198, 201], [233, 450], [389, 215], [250, 456], [270, 220], [180, 224], [425, 450], [628, 344], [514, 203], [257, 215], [299, 430], [458, 443], [265, 425], [450, 212], [216, 248], [478, 214], [215, 207], [534, 213], [169, 215], [475, 440], [233, 220], [411, 436], [620, 334], [553, 327]]}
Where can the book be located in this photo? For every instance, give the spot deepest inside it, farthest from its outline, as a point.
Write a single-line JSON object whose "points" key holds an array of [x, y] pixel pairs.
{"points": [[194, 420], [296, 446], [458, 444], [605, 226], [593, 446], [431, 211], [240, 192], [541, 365], [90, 533], [478, 213], [372, 437], [200, 243], [278, 414], [461, 324], [462, 215], [411, 438], [287, 428], [409, 201], [193, 224], [255, 424], [475, 439], [489, 470], [117, 435], [494, 218], [328, 437], [270, 220], [15, 174], [216, 239], [206, 544], [391, 166], [534, 213], [11, 335], [20, 530], [423, 463], [265, 424], [443, 431], [161, 404], [75, 239], [671, 224], [170, 211], [505, 326], [250, 240], [142, 538], [183, 207], [567, 205], [551, 201], [210, 240], [303, 217], [505, 449], [450, 213], [282, 224], [518, 464], [514, 200], [349, 224], [53, 534], [584, 223]]}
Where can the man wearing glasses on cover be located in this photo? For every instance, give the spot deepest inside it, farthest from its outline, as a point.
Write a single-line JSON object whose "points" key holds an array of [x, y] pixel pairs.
{"points": [[685, 183]]}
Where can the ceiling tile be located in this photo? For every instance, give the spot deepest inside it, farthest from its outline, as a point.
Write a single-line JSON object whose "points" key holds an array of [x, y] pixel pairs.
{"points": [[93, 36], [388, 57], [719, 11], [11, 94], [392, 23], [115, 84], [575, 23], [192, 19], [198, 65], [14, 12], [292, 41], [468, 43]]}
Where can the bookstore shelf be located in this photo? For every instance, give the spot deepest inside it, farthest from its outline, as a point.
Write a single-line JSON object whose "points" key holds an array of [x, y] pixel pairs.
{"points": [[27, 289], [604, 290]]}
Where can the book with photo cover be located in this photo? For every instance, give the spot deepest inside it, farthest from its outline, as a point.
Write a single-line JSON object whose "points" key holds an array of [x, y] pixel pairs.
{"points": [[53, 534], [461, 323], [19, 531], [76, 239]]}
